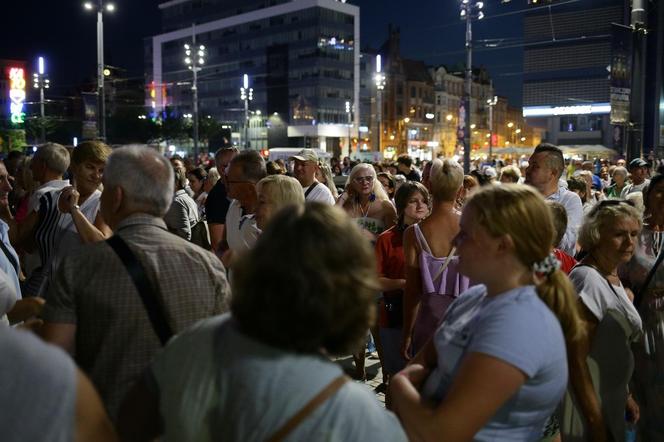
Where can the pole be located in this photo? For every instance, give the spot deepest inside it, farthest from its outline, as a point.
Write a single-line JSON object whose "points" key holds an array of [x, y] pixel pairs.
{"points": [[467, 93], [194, 90], [246, 122], [101, 118], [638, 23], [41, 109], [379, 116], [491, 131]]}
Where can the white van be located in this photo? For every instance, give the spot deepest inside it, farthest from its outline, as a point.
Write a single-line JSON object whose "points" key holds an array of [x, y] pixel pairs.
{"points": [[284, 153]]}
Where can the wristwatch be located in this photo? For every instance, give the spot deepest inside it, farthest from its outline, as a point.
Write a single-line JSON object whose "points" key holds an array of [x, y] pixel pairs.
{"points": [[76, 207]]}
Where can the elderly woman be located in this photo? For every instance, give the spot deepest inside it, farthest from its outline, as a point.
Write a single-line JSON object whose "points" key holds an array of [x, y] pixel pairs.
{"points": [[182, 216], [510, 174], [619, 181], [603, 353], [274, 347], [274, 193], [644, 274], [366, 201]]}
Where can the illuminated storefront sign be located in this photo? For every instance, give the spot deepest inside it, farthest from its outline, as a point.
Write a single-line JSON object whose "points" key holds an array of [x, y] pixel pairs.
{"points": [[550, 111], [17, 94]]}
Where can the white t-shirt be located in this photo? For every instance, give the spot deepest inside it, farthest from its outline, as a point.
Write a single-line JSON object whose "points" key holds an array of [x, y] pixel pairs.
{"points": [[319, 193], [215, 383], [596, 294], [241, 230], [49, 186], [632, 188]]}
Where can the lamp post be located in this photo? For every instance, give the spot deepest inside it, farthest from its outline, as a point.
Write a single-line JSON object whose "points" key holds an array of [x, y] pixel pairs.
{"points": [[194, 59], [491, 102], [100, 6], [379, 79], [470, 9], [41, 82], [349, 113], [246, 94]]}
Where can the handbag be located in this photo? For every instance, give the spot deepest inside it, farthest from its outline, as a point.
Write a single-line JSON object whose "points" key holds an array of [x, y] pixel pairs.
{"points": [[145, 289]]}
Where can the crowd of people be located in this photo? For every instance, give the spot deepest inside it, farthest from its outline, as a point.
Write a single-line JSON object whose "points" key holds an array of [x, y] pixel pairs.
{"points": [[146, 297]]}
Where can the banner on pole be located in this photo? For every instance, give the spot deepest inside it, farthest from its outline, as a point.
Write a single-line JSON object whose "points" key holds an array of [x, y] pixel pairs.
{"points": [[621, 71], [89, 129]]}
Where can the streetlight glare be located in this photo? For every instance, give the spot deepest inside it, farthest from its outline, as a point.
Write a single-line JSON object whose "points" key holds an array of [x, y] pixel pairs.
{"points": [[245, 81], [110, 7], [88, 6], [449, 117], [187, 60]]}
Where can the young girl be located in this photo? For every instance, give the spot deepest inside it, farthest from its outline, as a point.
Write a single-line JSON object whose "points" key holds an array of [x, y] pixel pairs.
{"points": [[496, 368]]}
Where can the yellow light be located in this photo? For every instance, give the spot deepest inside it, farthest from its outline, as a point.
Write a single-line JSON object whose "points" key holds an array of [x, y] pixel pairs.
{"points": [[406, 120], [510, 124], [391, 137], [473, 126], [449, 117]]}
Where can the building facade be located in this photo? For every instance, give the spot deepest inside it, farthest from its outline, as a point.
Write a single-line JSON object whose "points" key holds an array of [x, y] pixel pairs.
{"points": [[567, 58], [301, 58]]}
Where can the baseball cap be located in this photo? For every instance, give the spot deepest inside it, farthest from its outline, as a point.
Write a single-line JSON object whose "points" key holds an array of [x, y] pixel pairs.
{"points": [[638, 162], [305, 155]]}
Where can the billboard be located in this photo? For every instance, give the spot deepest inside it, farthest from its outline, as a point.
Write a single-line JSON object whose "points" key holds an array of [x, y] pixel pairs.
{"points": [[621, 71], [16, 94]]}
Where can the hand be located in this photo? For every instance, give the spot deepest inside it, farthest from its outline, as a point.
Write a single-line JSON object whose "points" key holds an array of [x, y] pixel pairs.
{"points": [[25, 309], [405, 347], [32, 325], [632, 409], [416, 374], [68, 199]]}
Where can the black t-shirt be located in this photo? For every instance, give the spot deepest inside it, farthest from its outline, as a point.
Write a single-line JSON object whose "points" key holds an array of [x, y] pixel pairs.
{"points": [[414, 175], [216, 204]]}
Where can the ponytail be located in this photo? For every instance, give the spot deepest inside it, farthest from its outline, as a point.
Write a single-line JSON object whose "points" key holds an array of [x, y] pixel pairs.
{"points": [[558, 293]]}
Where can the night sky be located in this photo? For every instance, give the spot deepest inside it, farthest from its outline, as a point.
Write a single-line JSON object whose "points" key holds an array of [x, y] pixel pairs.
{"points": [[64, 33]]}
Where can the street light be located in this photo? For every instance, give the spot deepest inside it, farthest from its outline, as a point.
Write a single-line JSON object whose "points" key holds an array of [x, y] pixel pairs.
{"points": [[110, 7], [41, 83], [349, 112], [380, 85], [491, 102], [194, 59], [247, 95], [470, 9]]}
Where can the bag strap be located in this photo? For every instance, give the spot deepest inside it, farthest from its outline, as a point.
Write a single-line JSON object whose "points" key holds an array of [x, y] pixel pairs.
{"points": [[642, 291], [312, 187], [308, 408], [143, 287], [445, 264]]}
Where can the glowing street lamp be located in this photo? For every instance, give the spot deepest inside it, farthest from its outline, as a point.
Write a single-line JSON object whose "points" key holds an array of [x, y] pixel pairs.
{"points": [[246, 95], [380, 80], [100, 6], [194, 59], [41, 82]]}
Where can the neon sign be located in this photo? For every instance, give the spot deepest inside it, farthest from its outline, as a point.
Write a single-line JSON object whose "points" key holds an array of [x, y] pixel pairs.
{"points": [[17, 95]]}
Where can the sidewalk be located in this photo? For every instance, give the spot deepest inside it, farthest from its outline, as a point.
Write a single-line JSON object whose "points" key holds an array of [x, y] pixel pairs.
{"points": [[373, 369]]}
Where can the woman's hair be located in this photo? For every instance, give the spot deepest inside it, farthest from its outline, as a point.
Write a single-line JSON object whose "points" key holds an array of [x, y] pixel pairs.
{"points": [[377, 190], [54, 155], [328, 303], [282, 190], [521, 213], [654, 181], [213, 176], [388, 177], [604, 212], [199, 173], [405, 192], [446, 179], [559, 218], [578, 183], [469, 182], [326, 171], [94, 151], [511, 172], [619, 170], [273, 168]]}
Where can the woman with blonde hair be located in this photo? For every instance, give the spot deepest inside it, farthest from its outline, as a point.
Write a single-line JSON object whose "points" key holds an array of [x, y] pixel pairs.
{"points": [[366, 201], [274, 193], [324, 176], [497, 367], [432, 277]]}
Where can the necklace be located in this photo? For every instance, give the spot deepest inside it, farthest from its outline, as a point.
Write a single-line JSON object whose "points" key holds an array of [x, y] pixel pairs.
{"points": [[364, 213]]}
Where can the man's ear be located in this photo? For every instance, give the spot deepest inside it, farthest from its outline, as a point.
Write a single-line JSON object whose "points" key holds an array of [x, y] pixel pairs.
{"points": [[118, 199]]}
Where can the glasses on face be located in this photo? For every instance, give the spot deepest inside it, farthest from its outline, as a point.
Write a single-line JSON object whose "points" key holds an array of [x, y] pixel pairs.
{"points": [[362, 179]]}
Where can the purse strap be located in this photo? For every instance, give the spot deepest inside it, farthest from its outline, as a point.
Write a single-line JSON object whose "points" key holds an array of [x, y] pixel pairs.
{"points": [[445, 264], [642, 291], [309, 408], [143, 287]]}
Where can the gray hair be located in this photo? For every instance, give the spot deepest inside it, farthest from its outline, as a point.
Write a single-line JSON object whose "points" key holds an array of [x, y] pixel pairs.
{"points": [[146, 177], [621, 170], [55, 156], [605, 212], [251, 164], [213, 176]]}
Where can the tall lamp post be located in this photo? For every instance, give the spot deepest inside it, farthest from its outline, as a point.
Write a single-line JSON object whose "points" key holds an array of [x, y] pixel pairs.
{"points": [[246, 94], [491, 102], [380, 85], [470, 9], [41, 82], [349, 113], [100, 6], [194, 59]]}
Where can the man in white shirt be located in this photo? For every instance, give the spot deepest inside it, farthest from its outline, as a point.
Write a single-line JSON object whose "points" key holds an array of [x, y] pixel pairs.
{"points": [[545, 167], [305, 165], [638, 170]]}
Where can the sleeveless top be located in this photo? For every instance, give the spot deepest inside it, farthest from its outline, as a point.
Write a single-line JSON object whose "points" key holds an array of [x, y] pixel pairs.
{"points": [[373, 225], [438, 290]]}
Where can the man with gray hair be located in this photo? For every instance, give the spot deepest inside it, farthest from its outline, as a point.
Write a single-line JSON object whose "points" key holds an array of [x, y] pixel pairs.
{"points": [[94, 309]]}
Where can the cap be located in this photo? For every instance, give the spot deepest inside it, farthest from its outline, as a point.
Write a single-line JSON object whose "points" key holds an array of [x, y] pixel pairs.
{"points": [[305, 155], [490, 172], [638, 162]]}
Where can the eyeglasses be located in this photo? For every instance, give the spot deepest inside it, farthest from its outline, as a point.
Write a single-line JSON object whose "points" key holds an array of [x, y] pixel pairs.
{"points": [[362, 179]]}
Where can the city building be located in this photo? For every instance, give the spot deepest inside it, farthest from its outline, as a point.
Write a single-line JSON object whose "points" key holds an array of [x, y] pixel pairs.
{"points": [[567, 59], [653, 139], [301, 59]]}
